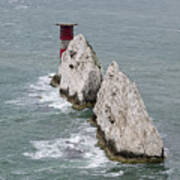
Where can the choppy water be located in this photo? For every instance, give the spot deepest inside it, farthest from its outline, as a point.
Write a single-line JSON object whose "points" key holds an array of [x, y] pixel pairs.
{"points": [[41, 137]]}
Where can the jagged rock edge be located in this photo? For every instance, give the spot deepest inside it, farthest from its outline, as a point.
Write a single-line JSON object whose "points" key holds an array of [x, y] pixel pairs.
{"points": [[124, 157]]}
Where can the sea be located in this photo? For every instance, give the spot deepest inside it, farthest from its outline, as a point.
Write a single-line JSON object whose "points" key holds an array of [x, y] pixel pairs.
{"points": [[41, 136]]}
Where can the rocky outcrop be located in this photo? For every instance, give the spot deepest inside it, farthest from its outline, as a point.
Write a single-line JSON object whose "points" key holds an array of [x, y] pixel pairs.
{"points": [[80, 73], [125, 130], [55, 80]]}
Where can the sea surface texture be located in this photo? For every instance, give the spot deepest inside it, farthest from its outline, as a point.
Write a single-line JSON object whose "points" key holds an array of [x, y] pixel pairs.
{"points": [[41, 136]]}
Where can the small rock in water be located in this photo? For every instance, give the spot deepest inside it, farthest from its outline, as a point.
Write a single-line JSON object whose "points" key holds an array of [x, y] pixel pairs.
{"points": [[55, 80], [80, 73], [125, 130]]}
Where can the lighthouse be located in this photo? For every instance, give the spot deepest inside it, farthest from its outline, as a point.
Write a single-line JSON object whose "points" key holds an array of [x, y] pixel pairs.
{"points": [[66, 35]]}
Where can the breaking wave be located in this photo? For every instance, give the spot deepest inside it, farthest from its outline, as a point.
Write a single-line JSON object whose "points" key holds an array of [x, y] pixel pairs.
{"points": [[41, 93], [47, 94], [79, 146]]}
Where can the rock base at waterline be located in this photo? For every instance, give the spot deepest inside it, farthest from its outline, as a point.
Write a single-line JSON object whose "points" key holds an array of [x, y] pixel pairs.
{"points": [[124, 157], [76, 103]]}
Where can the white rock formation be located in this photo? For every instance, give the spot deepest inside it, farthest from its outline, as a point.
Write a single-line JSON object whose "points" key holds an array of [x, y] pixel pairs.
{"points": [[123, 120], [80, 73]]}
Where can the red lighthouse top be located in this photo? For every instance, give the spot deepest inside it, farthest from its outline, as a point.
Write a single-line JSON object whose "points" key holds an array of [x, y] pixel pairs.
{"points": [[66, 31]]}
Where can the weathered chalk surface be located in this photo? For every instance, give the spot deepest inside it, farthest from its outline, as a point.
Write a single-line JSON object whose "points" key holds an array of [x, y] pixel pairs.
{"points": [[125, 130], [80, 73]]}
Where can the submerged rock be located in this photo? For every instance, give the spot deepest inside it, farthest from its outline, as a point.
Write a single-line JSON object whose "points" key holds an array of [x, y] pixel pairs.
{"points": [[125, 129], [80, 73]]}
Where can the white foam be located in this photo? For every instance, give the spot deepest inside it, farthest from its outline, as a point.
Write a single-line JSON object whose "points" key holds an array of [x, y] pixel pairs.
{"points": [[114, 174], [79, 146], [41, 93], [62, 105], [19, 172], [44, 149], [168, 172], [96, 157], [15, 101], [47, 94], [54, 148], [18, 7], [42, 83]]}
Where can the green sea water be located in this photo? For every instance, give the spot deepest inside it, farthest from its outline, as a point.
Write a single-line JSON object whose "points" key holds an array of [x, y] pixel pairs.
{"points": [[41, 136]]}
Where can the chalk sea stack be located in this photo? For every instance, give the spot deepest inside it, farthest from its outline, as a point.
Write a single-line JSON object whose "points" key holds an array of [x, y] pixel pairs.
{"points": [[125, 129], [80, 73]]}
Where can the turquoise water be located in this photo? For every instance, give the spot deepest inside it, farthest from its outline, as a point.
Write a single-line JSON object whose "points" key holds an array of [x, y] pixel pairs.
{"points": [[41, 137]]}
